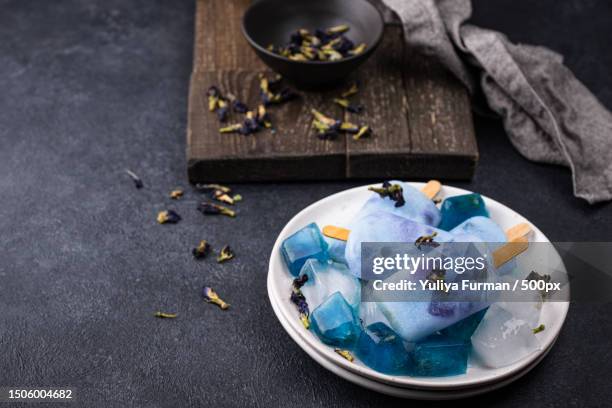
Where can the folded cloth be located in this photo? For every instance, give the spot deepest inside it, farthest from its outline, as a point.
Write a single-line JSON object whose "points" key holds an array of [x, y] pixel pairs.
{"points": [[549, 115]]}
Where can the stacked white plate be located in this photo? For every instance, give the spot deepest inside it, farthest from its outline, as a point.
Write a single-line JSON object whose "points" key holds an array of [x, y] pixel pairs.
{"points": [[338, 209]]}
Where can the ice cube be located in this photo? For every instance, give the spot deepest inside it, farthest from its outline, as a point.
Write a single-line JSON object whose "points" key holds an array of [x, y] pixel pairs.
{"points": [[380, 348], [336, 249], [335, 323], [304, 244], [464, 328], [325, 278], [502, 339], [440, 355], [455, 210]]}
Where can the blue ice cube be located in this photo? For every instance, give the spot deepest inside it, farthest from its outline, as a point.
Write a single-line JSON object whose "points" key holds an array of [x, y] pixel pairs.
{"points": [[304, 244], [336, 249], [457, 209], [335, 323], [464, 329], [325, 278], [380, 348], [440, 356]]}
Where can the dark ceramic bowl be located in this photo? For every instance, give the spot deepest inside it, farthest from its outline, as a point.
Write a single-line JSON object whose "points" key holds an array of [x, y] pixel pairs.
{"points": [[273, 21]]}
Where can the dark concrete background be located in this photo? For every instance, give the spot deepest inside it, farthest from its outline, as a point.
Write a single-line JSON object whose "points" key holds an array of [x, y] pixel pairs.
{"points": [[88, 88]]}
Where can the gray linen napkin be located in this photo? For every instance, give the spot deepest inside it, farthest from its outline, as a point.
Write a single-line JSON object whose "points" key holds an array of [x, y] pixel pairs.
{"points": [[548, 114]]}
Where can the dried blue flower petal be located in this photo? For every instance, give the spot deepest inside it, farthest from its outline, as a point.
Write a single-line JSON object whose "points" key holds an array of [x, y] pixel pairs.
{"points": [[164, 315], [168, 217], [206, 188], [202, 250], [213, 94], [211, 296], [222, 110], [137, 181], [176, 194], [354, 88], [214, 209], [394, 191], [364, 131], [225, 255]]}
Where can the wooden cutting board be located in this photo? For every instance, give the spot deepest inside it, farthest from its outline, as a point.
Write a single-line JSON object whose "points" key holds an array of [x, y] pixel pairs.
{"points": [[420, 115]]}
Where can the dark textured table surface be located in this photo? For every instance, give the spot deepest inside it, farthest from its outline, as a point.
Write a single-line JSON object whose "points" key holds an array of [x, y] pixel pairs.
{"points": [[89, 88]]}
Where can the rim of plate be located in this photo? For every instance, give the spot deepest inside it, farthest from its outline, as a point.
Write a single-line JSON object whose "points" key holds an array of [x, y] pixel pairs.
{"points": [[279, 281], [403, 392]]}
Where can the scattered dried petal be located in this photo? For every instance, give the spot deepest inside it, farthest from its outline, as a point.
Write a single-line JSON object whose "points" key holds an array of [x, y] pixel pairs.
{"points": [[137, 181], [223, 197], [426, 240], [364, 131], [168, 217], [393, 191], [202, 250], [176, 194], [211, 296], [225, 255], [345, 353], [164, 315], [214, 209], [212, 187], [351, 91]]}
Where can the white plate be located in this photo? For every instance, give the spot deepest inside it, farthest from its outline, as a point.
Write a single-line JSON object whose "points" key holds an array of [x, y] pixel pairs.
{"points": [[338, 209], [401, 392]]}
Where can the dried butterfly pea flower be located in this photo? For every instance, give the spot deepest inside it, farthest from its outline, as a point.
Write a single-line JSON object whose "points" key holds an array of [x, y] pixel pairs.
{"points": [[214, 209], [202, 250], [539, 329], [346, 354], [222, 110], [213, 94], [425, 240], [223, 197], [164, 315], [358, 50], [339, 29], [297, 298], [211, 296], [137, 181], [225, 255], [364, 131], [346, 104], [393, 191], [205, 188], [176, 194], [351, 91], [168, 217], [236, 127]]}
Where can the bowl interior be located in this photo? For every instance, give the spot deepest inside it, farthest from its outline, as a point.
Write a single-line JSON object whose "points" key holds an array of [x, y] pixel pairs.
{"points": [[273, 21]]}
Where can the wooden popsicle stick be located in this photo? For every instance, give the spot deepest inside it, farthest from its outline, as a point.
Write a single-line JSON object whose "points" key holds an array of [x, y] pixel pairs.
{"points": [[339, 233], [518, 231], [509, 250], [431, 189]]}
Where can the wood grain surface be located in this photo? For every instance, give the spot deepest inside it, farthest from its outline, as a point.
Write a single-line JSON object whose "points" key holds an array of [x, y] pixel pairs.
{"points": [[420, 116]]}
